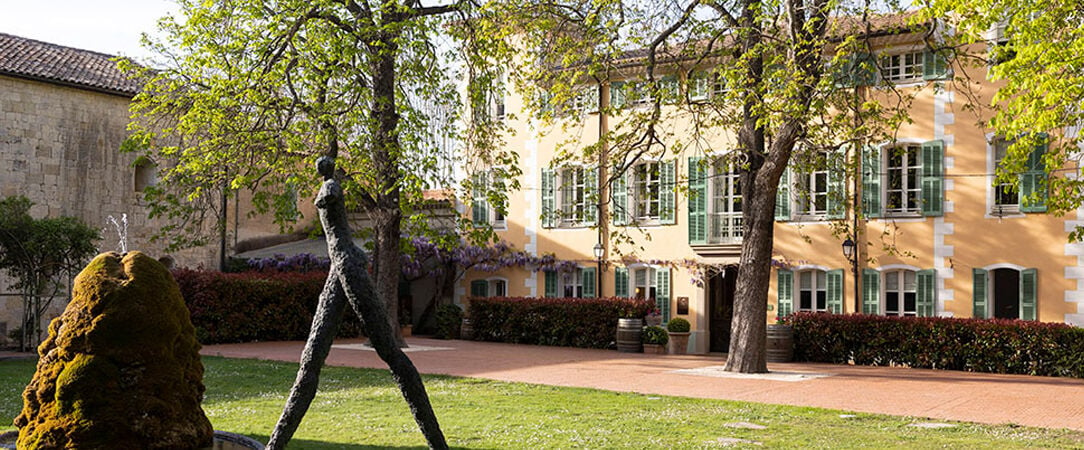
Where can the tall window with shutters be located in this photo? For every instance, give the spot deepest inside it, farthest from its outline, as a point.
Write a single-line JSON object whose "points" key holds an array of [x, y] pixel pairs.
{"points": [[1005, 293], [580, 283], [644, 282], [569, 197], [903, 180], [645, 195], [483, 213], [811, 290], [1028, 194]]}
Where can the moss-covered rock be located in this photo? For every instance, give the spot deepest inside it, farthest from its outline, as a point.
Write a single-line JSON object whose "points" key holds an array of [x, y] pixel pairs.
{"points": [[121, 365]]}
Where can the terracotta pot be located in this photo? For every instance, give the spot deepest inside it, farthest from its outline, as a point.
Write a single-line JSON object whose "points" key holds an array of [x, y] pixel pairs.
{"points": [[655, 349], [679, 343]]}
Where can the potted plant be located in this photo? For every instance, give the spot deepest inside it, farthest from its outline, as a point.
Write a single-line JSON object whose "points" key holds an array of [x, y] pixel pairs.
{"points": [[678, 330], [780, 343], [654, 318], [655, 339]]}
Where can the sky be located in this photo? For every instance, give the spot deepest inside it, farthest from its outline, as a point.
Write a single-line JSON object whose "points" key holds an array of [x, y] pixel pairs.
{"points": [[107, 26]]}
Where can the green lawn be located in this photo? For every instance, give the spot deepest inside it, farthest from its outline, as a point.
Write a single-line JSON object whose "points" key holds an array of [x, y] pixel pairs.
{"points": [[360, 408]]}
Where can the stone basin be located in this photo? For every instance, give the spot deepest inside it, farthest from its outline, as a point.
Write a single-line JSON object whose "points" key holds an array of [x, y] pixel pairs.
{"points": [[223, 441]]}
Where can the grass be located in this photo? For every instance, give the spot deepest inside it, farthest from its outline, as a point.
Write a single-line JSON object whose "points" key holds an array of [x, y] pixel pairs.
{"points": [[361, 408]]}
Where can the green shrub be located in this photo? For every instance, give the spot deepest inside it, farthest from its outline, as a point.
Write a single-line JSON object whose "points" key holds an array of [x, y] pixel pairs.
{"points": [[678, 325], [255, 306], [449, 318], [974, 345], [655, 335], [569, 322]]}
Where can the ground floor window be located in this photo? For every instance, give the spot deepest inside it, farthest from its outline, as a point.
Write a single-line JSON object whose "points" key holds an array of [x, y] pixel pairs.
{"points": [[813, 291], [493, 287], [1005, 293], [900, 293]]}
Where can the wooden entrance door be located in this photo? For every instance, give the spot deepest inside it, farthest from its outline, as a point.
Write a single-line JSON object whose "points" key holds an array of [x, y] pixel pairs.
{"points": [[721, 309]]}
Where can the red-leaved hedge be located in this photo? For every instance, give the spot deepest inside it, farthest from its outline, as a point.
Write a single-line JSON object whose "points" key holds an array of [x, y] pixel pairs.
{"points": [[567, 322], [995, 346], [254, 306]]}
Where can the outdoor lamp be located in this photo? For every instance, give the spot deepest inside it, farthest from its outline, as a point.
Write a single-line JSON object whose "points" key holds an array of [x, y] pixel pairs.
{"points": [[848, 248], [598, 250]]}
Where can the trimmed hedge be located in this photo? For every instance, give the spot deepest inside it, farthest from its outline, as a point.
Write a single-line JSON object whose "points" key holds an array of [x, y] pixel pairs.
{"points": [[567, 322], [974, 345], [255, 306]]}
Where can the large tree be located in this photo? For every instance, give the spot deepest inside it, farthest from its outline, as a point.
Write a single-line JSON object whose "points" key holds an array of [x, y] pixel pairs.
{"points": [[1033, 52], [248, 94], [791, 85]]}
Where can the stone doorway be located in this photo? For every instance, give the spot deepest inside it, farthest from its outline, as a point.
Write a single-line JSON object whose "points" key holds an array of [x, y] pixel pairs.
{"points": [[721, 308]]}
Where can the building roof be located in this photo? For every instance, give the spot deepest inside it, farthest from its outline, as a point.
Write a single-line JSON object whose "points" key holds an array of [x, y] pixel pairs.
{"points": [[51, 63]]}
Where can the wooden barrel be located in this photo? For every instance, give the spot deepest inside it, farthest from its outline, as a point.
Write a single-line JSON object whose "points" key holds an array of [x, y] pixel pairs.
{"points": [[780, 343], [628, 335]]}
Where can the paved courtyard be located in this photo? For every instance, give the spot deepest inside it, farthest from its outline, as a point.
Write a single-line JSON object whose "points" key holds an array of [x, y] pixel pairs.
{"points": [[939, 395]]}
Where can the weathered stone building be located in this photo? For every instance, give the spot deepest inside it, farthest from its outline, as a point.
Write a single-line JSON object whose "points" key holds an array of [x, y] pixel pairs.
{"points": [[63, 117]]}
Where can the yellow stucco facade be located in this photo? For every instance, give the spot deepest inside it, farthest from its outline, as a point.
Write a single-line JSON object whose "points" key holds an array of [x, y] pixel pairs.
{"points": [[977, 255]]}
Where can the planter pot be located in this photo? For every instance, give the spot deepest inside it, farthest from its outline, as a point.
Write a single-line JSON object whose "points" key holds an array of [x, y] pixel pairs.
{"points": [[780, 343], [628, 335], [654, 320], [223, 441], [654, 349], [466, 330], [679, 343], [407, 330]]}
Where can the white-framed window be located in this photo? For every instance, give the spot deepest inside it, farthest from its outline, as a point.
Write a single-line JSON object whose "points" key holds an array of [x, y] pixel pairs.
{"points": [[482, 213], [699, 85], [1006, 196], [586, 100], [900, 293], [812, 184], [902, 67], [571, 284], [646, 184], [813, 291], [725, 223], [490, 287], [643, 283], [903, 180], [574, 201]]}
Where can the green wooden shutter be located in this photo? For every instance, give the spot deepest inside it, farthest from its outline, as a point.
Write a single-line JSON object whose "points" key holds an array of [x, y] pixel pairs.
{"points": [[859, 69], [587, 280], [782, 197], [934, 66], [835, 291], [698, 202], [933, 191], [549, 199], [621, 282], [619, 194], [617, 94], [926, 292], [837, 190], [479, 205], [1033, 182], [978, 293], [784, 304], [1029, 279], [667, 209], [871, 291], [871, 182], [662, 293], [550, 285], [479, 288], [590, 192]]}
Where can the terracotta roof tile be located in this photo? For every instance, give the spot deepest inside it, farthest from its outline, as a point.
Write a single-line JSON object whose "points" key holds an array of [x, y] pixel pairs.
{"points": [[28, 58]]}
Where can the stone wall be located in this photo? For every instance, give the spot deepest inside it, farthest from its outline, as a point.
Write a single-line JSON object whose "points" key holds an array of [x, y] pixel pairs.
{"points": [[59, 147]]}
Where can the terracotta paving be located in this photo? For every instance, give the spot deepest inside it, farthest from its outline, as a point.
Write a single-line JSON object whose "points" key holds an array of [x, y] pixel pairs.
{"points": [[945, 395]]}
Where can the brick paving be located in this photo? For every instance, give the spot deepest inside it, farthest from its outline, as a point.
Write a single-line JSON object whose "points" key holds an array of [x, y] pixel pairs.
{"points": [[942, 395]]}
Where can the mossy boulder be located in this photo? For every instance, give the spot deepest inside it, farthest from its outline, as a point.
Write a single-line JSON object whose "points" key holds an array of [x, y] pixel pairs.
{"points": [[121, 366]]}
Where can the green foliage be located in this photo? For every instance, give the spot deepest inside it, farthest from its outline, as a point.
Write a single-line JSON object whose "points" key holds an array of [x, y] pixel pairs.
{"points": [[655, 335], [569, 322], [997, 345], [449, 318], [480, 413], [40, 254], [678, 325], [255, 306]]}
